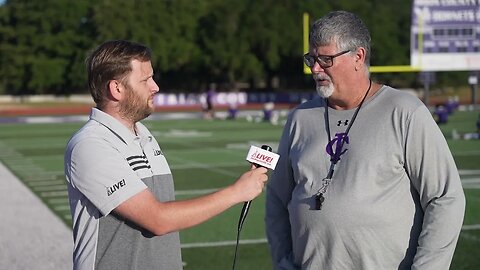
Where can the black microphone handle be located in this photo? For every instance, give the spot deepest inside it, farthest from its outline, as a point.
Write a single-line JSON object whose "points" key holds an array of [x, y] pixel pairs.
{"points": [[246, 205], [243, 214]]}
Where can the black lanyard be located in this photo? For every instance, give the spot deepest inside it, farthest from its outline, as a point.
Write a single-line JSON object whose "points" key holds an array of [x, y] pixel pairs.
{"points": [[335, 157]]}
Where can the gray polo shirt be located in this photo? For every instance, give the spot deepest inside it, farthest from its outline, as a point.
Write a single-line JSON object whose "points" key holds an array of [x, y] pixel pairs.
{"points": [[106, 164]]}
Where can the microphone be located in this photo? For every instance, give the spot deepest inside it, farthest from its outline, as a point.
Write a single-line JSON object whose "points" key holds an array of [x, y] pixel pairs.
{"points": [[259, 157], [246, 205]]}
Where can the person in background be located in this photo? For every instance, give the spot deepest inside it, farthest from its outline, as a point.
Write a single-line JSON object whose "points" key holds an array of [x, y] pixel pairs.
{"points": [[365, 178], [208, 110], [441, 114], [478, 126], [232, 111], [269, 113], [451, 105], [120, 186]]}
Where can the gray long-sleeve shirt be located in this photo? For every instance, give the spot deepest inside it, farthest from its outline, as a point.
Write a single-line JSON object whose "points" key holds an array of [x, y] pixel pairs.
{"points": [[395, 200]]}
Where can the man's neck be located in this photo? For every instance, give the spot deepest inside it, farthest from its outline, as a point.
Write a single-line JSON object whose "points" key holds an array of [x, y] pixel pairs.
{"points": [[352, 99], [114, 112], [128, 123]]}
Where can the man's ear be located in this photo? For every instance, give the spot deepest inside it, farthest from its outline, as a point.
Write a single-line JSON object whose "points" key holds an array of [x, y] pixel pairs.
{"points": [[359, 58], [360, 55], [115, 89]]}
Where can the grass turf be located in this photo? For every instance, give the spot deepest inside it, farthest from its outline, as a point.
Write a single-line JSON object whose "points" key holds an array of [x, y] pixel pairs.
{"points": [[206, 155]]}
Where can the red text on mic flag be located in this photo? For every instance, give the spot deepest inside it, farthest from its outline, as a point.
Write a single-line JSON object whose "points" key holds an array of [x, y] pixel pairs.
{"points": [[262, 157]]}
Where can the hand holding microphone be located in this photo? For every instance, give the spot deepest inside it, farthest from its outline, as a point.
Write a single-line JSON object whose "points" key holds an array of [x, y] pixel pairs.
{"points": [[259, 158], [250, 184]]}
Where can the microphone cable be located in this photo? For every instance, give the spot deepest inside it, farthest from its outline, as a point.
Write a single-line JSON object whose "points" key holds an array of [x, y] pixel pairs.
{"points": [[244, 213]]}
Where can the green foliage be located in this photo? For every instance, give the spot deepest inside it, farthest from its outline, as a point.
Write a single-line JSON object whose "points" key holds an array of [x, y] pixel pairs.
{"points": [[43, 43]]}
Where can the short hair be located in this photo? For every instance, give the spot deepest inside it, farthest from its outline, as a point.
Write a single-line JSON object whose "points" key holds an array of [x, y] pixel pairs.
{"points": [[342, 28], [112, 61]]}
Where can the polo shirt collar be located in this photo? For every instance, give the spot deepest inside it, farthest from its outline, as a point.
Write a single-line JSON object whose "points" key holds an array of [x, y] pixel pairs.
{"points": [[114, 125]]}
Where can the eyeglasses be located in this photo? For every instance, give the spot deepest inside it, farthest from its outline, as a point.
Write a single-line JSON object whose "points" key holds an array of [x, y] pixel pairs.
{"points": [[325, 61]]}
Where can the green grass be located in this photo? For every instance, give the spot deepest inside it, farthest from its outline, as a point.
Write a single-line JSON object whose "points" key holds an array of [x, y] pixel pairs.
{"points": [[206, 155]]}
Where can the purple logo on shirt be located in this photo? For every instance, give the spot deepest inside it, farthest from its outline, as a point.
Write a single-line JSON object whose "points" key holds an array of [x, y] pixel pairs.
{"points": [[338, 141]]}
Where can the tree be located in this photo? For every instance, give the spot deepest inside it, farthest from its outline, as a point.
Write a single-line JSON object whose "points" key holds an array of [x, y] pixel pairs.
{"points": [[43, 43], [167, 27], [224, 50], [273, 31]]}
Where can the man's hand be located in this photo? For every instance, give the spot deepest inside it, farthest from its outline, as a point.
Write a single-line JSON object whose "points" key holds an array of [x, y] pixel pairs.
{"points": [[250, 184]]}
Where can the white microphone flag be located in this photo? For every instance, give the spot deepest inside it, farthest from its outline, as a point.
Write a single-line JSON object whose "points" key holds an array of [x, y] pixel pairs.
{"points": [[262, 157]]}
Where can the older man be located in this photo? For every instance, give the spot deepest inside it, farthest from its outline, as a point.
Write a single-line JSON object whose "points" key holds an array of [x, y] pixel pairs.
{"points": [[365, 178]]}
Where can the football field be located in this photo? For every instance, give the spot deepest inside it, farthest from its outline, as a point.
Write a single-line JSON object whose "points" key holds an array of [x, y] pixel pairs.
{"points": [[207, 155]]}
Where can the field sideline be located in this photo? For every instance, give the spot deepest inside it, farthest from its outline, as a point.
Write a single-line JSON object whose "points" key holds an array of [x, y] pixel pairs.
{"points": [[34, 153]]}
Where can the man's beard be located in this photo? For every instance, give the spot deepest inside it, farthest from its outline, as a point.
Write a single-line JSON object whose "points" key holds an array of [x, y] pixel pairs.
{"points": [[133, 107], [324, 91]]}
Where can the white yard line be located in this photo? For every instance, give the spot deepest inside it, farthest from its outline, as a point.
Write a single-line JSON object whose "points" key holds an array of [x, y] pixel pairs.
{"points": [[471, 183], [224, 243], [264, 240], [469, 172], [471, 227]]}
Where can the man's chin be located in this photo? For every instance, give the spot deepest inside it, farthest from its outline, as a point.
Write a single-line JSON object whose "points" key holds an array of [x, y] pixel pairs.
{"points": [[151, 109], [147, 113], [324, 93], [151, 104]]}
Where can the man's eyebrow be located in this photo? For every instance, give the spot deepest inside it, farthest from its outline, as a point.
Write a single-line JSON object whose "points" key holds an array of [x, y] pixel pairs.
{"points": [[148, 76]]}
